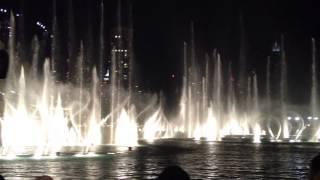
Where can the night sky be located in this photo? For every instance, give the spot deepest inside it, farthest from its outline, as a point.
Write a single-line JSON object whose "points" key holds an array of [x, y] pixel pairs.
{"points": [[161, 27]]}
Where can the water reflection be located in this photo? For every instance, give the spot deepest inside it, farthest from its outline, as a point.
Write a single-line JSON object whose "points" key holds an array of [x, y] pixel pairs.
{"points": [[213, 161]]}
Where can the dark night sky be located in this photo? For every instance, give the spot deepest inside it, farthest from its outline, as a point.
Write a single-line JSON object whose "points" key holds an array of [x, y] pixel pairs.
{"points": [[162, 26]]}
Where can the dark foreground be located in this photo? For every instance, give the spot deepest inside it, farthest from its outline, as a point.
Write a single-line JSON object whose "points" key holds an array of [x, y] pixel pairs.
{"points": [[213, 161]]}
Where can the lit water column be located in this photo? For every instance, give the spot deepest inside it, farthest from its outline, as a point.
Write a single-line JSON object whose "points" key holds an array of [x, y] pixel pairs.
{"points": [[101, 64], [217, 95], [72, 52], [131, 54], [35, 58], [314, 89], [283, 92], [268, 92], [256, 110], [54, 43], [80, 78], [11, 81], [184, 98]]}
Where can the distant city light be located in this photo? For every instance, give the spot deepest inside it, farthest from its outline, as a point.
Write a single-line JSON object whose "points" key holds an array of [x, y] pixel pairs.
{"points": [[173, 76]]}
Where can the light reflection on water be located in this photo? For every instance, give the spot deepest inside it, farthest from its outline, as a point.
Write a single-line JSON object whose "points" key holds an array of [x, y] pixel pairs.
{"points": [[215, 161]]}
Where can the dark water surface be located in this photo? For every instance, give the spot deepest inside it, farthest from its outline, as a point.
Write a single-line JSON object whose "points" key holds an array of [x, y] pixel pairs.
{"points": [[206, 161]]}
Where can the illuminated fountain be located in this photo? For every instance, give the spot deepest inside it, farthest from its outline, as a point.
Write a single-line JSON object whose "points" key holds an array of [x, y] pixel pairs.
{"points": [[45, 117], [207, 111], [210, 109]]}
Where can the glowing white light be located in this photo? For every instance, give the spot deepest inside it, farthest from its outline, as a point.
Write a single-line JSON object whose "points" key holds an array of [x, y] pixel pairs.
{"points": [[126, 130], [297, 118], [309, 117], [108, 73], [289, 118], [316, 118], [38, 23]]}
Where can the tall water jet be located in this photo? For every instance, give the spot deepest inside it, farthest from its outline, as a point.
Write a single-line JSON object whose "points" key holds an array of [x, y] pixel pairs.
{"points": [[205, 90], [283, 92], [101, 41], [268, 91], [94, 131], [242, 61], [256, 111], [101, 64], [11, 83], [314, 107], [131, 54], [35, 58], [114, 96], [184, 98], [314, 85], [255, 99], [72, 54], [217, 92], [233, 126], [54, 41], [80, 80]]}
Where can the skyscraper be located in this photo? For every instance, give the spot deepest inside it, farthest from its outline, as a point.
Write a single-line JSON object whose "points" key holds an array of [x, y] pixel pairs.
{"points": [[275, 69]]}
